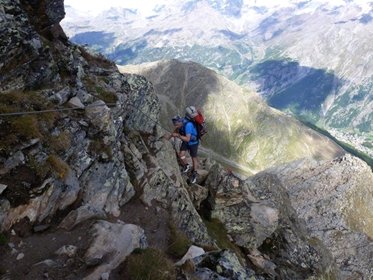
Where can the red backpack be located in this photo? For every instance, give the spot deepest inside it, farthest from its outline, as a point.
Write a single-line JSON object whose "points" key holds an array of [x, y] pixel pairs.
{"points": [[199, 120]]}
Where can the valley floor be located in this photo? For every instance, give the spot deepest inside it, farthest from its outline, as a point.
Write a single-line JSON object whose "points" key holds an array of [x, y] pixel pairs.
{"points": [[358, 142]]}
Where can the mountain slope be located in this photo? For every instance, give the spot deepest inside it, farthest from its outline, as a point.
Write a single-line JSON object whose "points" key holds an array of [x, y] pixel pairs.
{"points": [[241, 126], [91, 189]]}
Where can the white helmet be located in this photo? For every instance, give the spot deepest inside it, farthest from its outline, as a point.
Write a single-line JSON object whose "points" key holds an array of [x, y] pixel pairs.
{"points": [[191, 112]]}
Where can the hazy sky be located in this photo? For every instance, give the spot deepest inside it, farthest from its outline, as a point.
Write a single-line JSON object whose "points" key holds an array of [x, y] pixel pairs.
{"points": [[97, 6], [145, 6]]}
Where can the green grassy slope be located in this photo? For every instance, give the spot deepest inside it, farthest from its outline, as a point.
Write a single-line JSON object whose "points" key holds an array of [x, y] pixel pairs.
{"points": [[241, 126]]}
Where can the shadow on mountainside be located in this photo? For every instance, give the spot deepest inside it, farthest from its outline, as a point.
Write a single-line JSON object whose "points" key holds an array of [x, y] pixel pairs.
{"points": [[99, 39], [288, 84]]}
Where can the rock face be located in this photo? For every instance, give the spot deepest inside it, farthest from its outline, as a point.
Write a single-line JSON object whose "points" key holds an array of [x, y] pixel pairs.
{"points": [[112, 244], [321, 212], [334, 200], [258, 214], [22, 54], [87, 145], [92, 163], [222, 265]]}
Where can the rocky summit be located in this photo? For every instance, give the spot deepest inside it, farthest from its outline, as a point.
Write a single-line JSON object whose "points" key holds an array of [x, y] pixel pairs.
{"points": [[91, 189]]}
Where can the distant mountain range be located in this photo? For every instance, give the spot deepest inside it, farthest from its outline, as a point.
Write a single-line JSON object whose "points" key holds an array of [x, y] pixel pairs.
{"points": [[310, 58]]}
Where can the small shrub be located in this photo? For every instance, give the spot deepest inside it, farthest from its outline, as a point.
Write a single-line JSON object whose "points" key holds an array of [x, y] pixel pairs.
{"points": [[150, 264], [7, 142], [47, 120], [60, 143], [106, 96], [96, 59], [94, 87], [3, 239], [179, 242], [26, 127], [58, 166], [217, 231], [24, 101], [41, 169], [15, 129], [5, 109]]}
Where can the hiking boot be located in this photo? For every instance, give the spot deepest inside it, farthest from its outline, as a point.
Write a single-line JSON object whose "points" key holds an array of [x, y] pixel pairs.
{"points": [[187, 168], [193, 178]]}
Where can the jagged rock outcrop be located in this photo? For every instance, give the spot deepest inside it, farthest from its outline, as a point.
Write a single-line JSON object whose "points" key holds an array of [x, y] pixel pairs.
{"points": [[111, 245], [256, 212], [165, 186], [26, 59], [222, 265], [334, 199], [91, 168], [312, 214], [92, 162]]}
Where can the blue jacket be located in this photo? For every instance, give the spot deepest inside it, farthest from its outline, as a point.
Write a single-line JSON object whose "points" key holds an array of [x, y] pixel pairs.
{"points": [[189, 128]]}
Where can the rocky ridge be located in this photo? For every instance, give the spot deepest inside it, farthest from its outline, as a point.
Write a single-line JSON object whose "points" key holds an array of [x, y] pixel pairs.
{"points": [[83, 192]]}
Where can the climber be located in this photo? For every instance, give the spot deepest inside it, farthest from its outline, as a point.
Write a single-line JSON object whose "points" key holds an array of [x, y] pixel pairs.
{"points": [[185, 130]]}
